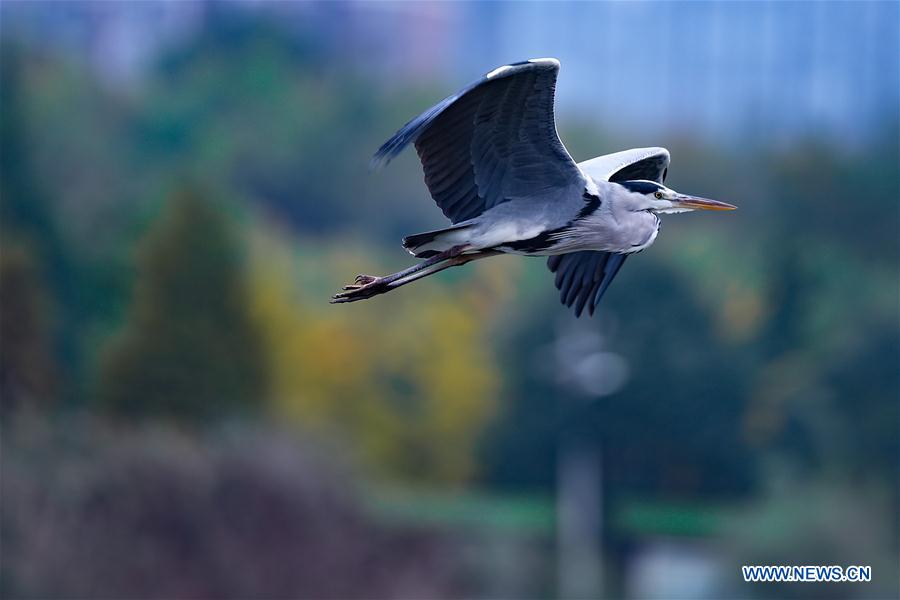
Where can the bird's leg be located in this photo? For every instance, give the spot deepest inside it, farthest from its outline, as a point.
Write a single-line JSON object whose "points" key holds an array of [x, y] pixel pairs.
{"points": [[425, 264], [367, 286]]}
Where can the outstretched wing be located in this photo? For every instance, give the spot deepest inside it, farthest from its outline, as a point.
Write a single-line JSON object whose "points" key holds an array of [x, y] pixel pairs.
{"points": [[492, 142], [650, 164], [582, 277]]}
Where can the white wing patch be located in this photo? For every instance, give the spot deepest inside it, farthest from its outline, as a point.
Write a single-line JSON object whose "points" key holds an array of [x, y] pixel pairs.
{"points": [[603, 167], [498, 71], [510, 69], [544, 61]]}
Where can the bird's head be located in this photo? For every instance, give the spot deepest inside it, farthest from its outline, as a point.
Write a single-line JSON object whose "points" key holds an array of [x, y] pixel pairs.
{"points": [[655, 197]]}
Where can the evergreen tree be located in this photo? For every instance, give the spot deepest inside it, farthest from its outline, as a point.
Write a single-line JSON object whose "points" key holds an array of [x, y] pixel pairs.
{"points": [[188, 350]]}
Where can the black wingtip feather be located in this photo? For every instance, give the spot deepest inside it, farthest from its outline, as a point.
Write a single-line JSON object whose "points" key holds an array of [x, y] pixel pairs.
{"points": [[583, 277], [417, 126], [406, 134]]}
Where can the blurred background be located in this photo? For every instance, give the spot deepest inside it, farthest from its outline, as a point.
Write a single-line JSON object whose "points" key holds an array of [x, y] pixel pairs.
{"points": [[185, 415]]}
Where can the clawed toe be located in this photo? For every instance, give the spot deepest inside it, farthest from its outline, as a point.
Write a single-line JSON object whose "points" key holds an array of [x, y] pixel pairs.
{"points": [[346, 296], [365, 279], [364, 287]]}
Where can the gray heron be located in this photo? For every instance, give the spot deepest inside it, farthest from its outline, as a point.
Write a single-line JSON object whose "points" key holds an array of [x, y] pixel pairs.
{"points": [[496, 167]]}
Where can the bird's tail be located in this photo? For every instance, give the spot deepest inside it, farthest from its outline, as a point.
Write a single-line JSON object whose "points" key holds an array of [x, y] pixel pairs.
{"points": [[429, 243]]}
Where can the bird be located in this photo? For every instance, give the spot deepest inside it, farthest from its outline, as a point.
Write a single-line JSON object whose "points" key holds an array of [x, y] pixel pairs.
{"points": [[497, 169]]}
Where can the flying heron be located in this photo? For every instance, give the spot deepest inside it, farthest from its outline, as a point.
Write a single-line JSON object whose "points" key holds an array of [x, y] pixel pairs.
{"points": [[496, 167]]}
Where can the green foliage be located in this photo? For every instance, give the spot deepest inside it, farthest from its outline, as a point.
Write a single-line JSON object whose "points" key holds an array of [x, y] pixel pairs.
{"points": [[188, 349], [771, 330], [248, 105], [770, 334], [38, 275], [674, 428], [764, 337]]}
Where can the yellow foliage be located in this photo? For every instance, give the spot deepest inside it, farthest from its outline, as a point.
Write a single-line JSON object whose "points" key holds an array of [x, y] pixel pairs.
{"points": [[408, 379], [741, 312]]}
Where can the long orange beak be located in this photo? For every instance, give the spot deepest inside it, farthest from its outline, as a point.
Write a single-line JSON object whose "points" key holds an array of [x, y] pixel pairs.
{"points": [[695, 202]]}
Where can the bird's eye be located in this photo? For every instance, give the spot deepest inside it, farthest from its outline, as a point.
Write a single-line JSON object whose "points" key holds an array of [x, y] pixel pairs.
{"points": [[658, 195]]}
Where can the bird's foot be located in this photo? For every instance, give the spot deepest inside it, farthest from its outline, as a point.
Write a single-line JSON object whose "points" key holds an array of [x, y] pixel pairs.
{"points": [[362, 280], [364, 286]]}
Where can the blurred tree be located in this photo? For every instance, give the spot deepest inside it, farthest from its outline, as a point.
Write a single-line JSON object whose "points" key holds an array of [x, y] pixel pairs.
{"points": [[189, 349], [38, 275], [84, 166], [268, 111], [829, 370], [28, 367], [674, 428], [410, 383], [243, 513], [799, 293]]}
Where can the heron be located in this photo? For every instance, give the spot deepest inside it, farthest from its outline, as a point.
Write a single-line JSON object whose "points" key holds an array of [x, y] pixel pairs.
{"points": [[497, 169]]}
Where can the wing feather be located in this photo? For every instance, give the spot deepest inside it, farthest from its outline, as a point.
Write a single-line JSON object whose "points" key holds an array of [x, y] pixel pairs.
{"points": [[650, 164], [492, 142], [583, 277]]}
